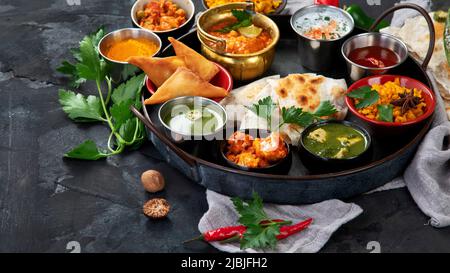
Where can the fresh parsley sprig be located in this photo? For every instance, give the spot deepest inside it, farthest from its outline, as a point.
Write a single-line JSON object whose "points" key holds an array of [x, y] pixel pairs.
{"points": [[261, 231], [294, 115], [265, 108], [244, 19], [126, 130], [365, 95]]}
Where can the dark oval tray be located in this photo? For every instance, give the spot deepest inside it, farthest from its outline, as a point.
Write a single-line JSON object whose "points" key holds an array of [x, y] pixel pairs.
{"points": [[200, 162]]}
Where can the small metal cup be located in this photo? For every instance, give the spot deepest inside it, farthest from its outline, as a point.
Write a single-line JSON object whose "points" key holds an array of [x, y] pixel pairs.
{"points": [[319, 55], [356, 71], [109, 39], [198, 103]]}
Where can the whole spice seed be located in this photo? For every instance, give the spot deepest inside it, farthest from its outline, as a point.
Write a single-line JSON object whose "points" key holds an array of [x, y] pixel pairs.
{"points": [[407, 101], [153, 181], [156, 208]]}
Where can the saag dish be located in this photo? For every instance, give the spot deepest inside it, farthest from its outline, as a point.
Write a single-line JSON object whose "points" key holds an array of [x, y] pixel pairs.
{"points": [[335, 141]]}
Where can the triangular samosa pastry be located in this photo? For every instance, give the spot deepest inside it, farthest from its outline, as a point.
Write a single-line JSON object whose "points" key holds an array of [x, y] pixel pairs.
{"points": [[195, 61], [184, 82], [158, 70]]}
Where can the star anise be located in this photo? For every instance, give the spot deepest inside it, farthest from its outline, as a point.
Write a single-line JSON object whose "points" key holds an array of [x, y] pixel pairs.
{"points": [[407, 101]]}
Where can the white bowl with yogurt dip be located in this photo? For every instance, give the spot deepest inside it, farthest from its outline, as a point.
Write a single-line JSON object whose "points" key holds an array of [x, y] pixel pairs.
{"points": [[192, 118], [321, 30]]}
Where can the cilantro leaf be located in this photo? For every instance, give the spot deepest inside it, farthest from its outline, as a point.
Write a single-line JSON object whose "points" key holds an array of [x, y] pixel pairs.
{"points": [[386, 112], [87, 150], [80, 108], [261, 232], [244, 19], [90, 66], [264, 109], [325, 109], [365, 95], [67, 68], [130, 90], [120, 112], [360, 93], [294, 115], [251, 213], [259, 237], [71, 70]]}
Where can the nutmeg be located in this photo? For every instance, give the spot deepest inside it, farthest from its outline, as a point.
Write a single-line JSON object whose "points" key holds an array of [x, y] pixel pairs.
{"points": [[156, 208], [153, 181]]}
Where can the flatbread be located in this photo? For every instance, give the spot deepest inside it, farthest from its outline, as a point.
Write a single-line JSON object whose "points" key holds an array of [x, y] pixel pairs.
{"points": [[416, 36], [304, 91], [184, 82], [236, 102], [158, 70], [195, 61]]}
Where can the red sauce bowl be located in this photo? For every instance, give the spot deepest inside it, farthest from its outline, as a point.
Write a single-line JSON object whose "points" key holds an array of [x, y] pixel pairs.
{"points": [[392, 128], [221, 79]]}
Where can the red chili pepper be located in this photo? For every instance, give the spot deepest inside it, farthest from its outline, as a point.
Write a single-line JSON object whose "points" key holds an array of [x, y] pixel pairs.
{"points": [[228, 234], [221, 234], [327, 2], [286, 231]]}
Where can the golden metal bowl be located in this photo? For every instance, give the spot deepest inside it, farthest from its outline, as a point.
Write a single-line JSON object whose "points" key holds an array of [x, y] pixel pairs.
{"points": [[243, 67]]}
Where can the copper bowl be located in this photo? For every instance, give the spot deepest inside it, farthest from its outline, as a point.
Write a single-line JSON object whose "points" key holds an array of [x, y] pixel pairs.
{"points": [[243, 67]]}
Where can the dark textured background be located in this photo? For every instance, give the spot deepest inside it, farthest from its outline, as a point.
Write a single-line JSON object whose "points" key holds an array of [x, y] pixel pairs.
{"points": [[46, 202]]}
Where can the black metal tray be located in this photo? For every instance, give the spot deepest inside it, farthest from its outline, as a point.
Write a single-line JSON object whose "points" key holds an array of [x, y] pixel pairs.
{"points": [[200, 162]]}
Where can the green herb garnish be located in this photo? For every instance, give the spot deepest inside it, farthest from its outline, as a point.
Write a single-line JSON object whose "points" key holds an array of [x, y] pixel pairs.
{"points": [[244, 19], [264, 108], [261, 231], [386, 112], [126, 130], [292, 115], [365, 95]]}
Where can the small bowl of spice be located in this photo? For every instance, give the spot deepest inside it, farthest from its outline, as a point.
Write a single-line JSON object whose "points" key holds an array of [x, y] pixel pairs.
{"points": [[117, 46]]}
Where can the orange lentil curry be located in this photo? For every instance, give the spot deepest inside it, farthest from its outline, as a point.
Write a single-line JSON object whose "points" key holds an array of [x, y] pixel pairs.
{"points": [[391, 91]]}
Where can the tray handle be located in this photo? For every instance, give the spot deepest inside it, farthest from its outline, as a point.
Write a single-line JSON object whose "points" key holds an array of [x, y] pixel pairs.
{"points": [[424, 13], [191, 162]]}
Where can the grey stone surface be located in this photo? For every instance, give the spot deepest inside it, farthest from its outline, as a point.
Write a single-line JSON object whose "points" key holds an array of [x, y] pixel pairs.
{"points": [[47, 201]]}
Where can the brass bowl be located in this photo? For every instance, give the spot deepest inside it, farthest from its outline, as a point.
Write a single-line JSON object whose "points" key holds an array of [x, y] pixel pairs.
{"points": [[243, 67]]}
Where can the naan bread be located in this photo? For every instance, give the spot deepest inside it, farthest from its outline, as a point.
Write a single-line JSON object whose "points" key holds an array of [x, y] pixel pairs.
{"points": [[184, 82], [416, 36], [195, 61], [236, 102], [305, 91], [158, 70]]}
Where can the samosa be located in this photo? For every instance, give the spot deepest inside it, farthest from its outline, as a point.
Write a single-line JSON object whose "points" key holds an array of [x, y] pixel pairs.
{"points": [[195, 61], [184, 82], [158, 70]]}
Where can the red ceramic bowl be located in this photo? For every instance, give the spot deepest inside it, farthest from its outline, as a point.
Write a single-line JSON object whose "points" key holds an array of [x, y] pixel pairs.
{"points": [[393, 127], [221, 79]]}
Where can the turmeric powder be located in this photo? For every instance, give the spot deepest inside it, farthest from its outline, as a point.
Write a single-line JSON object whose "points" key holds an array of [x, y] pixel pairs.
{"points": [[122, 50]]}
